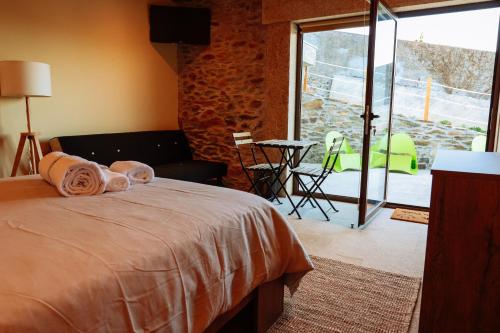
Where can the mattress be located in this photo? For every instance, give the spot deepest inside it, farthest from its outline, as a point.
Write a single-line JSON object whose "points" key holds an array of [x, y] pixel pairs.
{"points": [[169, 256]]}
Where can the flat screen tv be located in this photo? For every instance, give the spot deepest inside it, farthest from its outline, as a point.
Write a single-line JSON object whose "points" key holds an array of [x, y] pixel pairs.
{"points": [[179, 25]]}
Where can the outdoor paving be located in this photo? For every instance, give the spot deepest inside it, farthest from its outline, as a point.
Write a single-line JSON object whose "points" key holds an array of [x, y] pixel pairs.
{"points": [[402, 188]]}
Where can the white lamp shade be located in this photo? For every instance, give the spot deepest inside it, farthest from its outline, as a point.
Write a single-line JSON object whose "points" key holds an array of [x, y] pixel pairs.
{"points": [[25, 78]]}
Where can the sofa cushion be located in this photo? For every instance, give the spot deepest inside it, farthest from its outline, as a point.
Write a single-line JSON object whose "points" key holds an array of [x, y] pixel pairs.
{"points": [[151, 147], [194, 170]]}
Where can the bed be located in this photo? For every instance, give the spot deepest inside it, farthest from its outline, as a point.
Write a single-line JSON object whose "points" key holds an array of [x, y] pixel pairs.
{"points": [[169, 256]]}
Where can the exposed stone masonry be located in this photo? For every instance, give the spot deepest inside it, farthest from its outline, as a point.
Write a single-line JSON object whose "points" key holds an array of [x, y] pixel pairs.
{"points": [[240, 83], [221, 87], [319, 116]]}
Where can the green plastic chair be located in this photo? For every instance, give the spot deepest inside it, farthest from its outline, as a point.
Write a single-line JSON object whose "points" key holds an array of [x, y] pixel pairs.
{"points": [[403, 157], [347, 159], [378, 154], [479, 143]]}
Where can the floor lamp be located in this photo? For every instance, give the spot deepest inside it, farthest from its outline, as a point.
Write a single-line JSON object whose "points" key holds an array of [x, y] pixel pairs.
{"points": [[26, 79]]}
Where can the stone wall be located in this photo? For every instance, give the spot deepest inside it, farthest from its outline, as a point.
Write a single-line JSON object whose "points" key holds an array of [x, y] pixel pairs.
{"points": [[241, 81], [328, 109], [415, 60], [319, 116], [221, 87], [452, 66]]}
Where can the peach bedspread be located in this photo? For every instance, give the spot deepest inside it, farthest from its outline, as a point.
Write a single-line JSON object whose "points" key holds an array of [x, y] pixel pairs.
{"points": [[169, 256]]}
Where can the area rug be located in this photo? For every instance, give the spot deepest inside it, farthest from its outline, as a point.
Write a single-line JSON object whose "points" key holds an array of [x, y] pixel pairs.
{"points": [[410, 215], [339, 297]]}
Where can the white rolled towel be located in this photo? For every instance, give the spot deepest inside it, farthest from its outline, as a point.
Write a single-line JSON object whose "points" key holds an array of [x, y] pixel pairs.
{"points": [[115, 182], [136, 172], [47, 162], [72, 175]]}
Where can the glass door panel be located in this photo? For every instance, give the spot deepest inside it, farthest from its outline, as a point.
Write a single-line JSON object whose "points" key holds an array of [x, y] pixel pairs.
{"points": [[332, 97], [378, 111], [347, 71]]}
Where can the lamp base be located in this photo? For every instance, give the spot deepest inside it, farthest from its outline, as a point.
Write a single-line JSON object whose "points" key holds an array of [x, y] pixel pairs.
{"points": [[35, 151]]}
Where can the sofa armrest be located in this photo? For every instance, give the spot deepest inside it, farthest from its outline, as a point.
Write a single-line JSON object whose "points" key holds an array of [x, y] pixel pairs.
{"points": [[55, 145]]}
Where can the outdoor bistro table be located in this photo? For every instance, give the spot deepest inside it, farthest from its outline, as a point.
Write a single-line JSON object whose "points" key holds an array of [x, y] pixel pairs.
{"points": [[288, 149]]}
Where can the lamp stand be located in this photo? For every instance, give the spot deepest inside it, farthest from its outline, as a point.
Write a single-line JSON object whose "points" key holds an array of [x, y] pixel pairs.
{"points": [[34, 146]]}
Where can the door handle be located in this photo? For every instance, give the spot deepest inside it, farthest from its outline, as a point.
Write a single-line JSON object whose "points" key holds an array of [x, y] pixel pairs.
{"points": [[371, 115]]}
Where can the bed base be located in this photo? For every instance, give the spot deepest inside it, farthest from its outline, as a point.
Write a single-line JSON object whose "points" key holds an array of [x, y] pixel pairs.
{"points": [[256, 313]]}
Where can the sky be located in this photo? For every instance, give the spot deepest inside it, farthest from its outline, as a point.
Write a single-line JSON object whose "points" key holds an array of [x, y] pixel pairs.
{"points": [[476, 29], [473, 30]]}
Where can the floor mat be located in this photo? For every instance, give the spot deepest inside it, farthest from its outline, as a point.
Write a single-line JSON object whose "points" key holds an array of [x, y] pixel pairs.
{"points": [[410, 215], [340, 297]]}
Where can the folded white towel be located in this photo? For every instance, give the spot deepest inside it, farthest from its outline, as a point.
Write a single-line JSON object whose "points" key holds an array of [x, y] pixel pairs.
{"points": [[72, 175], [137, 172], [115, 182]]}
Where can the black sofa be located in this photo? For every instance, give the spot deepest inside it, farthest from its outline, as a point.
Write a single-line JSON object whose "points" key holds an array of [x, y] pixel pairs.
{"points": [[167, 152]]}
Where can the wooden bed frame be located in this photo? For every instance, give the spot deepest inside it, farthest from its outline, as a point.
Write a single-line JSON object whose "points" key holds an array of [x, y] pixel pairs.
{"points": [[256, 313]]}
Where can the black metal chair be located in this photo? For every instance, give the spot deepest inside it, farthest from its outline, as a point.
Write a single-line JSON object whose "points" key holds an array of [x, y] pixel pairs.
{"points": [[256, 173], [317, 176]]}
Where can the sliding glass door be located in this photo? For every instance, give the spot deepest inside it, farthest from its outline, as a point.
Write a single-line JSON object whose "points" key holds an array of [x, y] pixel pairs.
{"points": [[332, 67], [443, 94], [378, 111], [346, 89]]}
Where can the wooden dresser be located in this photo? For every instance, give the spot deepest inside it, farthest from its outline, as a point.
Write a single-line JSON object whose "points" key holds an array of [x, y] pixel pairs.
{"points": [[461, 287]]}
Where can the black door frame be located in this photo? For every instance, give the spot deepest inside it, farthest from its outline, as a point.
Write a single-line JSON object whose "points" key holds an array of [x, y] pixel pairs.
{"points": [[493, 126], [492, 131]]}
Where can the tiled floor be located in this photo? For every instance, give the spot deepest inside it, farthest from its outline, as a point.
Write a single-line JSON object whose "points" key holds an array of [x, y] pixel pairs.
{"points": [[384, 244]]}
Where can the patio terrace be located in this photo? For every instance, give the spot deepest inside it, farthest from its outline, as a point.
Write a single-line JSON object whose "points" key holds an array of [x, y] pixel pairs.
{"points": [[402, 188]]}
